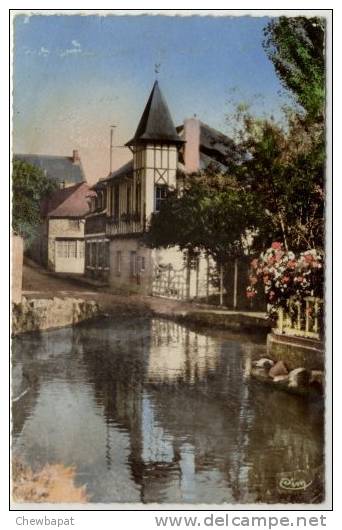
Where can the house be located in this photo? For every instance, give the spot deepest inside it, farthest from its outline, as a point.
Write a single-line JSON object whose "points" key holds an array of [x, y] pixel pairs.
{"points": [[125, 200], [62, 230], [64, 170], [59, 242]]}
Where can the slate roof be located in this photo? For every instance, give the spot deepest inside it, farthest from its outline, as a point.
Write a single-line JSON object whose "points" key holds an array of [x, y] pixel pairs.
{"points": [[124, 171], [156, 123], [57, 168], [205, 163], [214, 144], [71, 202], [213, 141]]}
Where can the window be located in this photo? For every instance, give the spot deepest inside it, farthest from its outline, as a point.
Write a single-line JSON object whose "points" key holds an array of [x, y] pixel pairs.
{"points": [[116, 200], [80, 248], [128, 198], [138, 197], [87, 254], [66, 248], [100, 255], [142, 264], [160, 193], [118, 262], [106, 255], [93, 254], [133, 263]]}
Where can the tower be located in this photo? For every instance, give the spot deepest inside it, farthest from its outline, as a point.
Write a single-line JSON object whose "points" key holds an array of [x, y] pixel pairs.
{"points": [[155, 148]]}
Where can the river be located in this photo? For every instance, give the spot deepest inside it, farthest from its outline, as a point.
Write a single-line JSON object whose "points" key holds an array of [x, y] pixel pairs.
{"points": [[149, 410]]}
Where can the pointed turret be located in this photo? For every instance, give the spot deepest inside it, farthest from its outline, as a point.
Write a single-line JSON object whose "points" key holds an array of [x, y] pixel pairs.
{"points": [[156, 124]]}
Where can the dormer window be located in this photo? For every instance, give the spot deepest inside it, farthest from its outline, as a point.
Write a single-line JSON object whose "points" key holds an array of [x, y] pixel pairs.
{"points": [[160, 194]]}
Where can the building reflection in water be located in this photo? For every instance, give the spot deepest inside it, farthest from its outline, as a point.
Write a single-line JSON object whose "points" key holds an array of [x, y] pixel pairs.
{"points": [[152, 411]]}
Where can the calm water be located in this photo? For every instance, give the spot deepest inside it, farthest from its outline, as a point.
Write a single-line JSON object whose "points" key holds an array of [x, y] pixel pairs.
{"points": [[152, 411]]}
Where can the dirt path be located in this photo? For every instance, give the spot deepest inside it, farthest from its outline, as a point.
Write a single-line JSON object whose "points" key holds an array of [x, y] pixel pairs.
{"points": [[40, 283]]}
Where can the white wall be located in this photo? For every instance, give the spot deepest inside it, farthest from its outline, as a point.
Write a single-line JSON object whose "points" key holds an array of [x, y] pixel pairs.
{"points": [[65, 228], [141, 282]]}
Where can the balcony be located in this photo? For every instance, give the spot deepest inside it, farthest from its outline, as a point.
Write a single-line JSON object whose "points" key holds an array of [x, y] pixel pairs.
{"points": [[127, 224]]}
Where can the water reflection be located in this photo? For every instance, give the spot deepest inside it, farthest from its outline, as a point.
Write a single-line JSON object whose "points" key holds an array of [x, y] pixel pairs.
{"points": [[152, 411]]}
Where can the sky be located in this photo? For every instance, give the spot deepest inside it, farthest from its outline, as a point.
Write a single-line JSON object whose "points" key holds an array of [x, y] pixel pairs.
{"points": [[75, 75]]}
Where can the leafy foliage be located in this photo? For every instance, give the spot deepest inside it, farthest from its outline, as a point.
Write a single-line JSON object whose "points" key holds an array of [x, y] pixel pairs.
{"points": [[212, 214], [285, 171], [295, 45], [29, 187]]}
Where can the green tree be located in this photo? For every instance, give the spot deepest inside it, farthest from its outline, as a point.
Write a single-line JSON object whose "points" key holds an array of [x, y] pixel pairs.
{"points": [[212, 214], [285, 166], [29, 187], [285, 172], [295, 45]]}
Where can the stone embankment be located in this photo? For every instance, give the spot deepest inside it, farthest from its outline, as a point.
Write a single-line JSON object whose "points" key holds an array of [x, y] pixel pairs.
{"points": [[239, 321], [38, 314]]}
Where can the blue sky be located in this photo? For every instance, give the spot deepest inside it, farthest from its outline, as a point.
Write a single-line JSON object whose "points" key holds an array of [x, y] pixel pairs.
{"points": [[74, 76]]}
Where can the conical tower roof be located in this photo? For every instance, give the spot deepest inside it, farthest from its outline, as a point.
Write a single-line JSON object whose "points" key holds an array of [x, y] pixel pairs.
{"points": [[156, 124]]}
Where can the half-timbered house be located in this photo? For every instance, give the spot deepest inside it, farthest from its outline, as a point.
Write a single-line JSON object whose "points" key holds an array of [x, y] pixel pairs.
{"points": [[125, 200]]}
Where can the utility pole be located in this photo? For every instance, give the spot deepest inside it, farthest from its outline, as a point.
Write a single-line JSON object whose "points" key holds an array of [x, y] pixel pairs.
{"points": [[112, 127]]}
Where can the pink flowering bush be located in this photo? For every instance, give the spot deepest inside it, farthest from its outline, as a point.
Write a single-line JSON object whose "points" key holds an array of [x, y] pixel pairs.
{"points": [[283, 275]]}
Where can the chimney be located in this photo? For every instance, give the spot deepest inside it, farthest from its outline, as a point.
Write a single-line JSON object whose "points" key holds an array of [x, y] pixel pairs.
{"points": [[75, 156], [192, 131]]}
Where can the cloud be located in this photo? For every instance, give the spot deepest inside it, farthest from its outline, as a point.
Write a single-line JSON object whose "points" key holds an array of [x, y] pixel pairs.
{"points": [[29, 51], [76, 49], [27, 20], [43, 51]]}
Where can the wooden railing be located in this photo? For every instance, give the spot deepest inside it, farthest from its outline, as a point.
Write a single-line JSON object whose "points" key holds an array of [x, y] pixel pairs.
{"points": [[301, 318], [123, 227]]}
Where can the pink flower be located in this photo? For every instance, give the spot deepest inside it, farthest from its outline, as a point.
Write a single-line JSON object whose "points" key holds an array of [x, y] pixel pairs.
{"points": [[254, 263], [276, 245], [253, 280]]}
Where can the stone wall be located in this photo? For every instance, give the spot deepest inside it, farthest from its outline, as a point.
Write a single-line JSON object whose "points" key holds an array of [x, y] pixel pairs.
{"points": [[296, 351], [17, 267], [239, 322], [47, 313]]}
